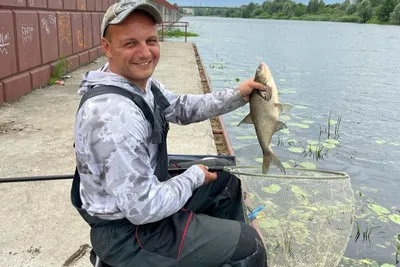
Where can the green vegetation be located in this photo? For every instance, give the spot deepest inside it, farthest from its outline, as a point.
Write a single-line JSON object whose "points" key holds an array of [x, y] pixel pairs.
{"points": [[177, 33], [59, 70], [358, 11]]}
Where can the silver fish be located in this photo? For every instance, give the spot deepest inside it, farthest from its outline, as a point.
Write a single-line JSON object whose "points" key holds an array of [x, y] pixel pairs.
{"points": [[264, 114]]}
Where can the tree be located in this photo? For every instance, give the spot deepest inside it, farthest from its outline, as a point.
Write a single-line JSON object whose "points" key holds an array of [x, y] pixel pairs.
{"points": [[288, 9], [300, 9], [364, 9], [315, 5], [351, 9], [384, 10], [395, 15]]}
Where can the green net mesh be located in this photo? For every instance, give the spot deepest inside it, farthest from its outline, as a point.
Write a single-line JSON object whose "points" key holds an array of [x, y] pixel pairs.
{"points": [[307, 216]]}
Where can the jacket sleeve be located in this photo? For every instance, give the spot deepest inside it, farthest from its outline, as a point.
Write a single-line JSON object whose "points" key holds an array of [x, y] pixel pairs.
{"points": [[116, 137], [188, 108]]}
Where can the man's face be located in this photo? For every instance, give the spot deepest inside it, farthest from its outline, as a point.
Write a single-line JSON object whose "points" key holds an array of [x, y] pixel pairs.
{"points": [[132, 48]]}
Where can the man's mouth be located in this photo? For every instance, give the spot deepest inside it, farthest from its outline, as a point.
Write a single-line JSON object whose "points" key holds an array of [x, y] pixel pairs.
{"points": [[142, 63]]}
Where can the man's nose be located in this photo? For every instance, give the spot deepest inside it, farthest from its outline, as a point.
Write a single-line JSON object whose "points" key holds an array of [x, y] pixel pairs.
{"points": [[144, 51]]}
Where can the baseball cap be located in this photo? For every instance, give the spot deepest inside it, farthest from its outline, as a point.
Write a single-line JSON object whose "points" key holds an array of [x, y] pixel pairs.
{"points": [[118, 12]]}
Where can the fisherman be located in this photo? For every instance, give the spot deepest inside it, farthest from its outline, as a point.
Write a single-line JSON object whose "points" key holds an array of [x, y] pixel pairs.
{"points": [[138, 214]]}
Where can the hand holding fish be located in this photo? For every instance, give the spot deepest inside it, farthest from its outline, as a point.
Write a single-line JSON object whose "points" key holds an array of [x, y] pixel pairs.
{"points": [[247, 87]]}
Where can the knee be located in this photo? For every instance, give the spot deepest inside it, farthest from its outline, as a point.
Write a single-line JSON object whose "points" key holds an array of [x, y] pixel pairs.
{"points": [[250, 247]]}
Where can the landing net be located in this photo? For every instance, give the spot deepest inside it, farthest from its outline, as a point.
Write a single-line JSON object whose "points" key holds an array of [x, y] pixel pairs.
{"points": [[307, 216]]}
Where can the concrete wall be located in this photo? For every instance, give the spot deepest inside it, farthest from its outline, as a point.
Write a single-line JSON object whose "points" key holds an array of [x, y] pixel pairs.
{"points": [[35, 33]]}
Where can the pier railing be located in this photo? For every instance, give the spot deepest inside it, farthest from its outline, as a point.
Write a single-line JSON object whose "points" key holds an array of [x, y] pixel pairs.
{"points": [[167, 25]]}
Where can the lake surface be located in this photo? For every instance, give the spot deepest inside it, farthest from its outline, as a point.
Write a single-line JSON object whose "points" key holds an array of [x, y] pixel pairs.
{"points": [[350, 70]]}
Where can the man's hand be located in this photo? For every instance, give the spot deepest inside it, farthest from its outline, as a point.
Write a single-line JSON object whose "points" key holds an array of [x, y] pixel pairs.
{"points": [[247, 87], [209, 176]]}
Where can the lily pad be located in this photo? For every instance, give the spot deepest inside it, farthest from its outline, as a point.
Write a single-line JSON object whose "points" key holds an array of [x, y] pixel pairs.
{"points": [[235, 123], [296, 149], [259, 160], [328, 145], [380, 142], [332, 141], [308, 121], [287, 91], [388, 265], [285, 131], [298, 191], [395, 143], [378, 209], [268, 223], [246, 137], [300, 107], [312, 148], [308, 165], [332, 122], [285, 118], [272, 189], [286, 165], [301, 125], [241, 113], [395, 218], [312, 142]]}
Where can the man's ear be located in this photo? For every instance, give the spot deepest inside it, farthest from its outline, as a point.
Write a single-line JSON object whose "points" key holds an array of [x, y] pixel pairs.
{"points": [[106, 47]]}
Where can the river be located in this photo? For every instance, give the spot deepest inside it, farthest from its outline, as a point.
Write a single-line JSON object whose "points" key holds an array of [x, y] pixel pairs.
{"points": [[351, 71]]}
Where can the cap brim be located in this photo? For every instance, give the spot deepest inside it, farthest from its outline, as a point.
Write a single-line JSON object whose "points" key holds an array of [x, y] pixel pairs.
{"points": [[153, 11]]}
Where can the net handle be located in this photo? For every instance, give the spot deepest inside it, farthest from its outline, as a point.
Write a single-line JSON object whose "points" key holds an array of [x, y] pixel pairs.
{"points": [[235, 170]]}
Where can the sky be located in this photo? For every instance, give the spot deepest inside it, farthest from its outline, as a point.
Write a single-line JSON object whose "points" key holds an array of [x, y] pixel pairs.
{"points": [[230, 2]]}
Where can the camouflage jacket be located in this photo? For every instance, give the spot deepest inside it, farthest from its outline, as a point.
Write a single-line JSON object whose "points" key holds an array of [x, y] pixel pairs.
{"points": [[116, 163]]}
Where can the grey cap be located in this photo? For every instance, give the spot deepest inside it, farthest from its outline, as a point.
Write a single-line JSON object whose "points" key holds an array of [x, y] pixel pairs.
{"points": [[118, 12]]}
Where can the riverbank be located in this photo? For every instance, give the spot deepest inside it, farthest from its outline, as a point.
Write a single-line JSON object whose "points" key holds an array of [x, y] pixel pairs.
{"points": [[40, 227]]}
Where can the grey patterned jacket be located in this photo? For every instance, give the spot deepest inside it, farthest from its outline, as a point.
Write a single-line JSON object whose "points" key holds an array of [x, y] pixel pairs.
{"points": [[116, 163]]}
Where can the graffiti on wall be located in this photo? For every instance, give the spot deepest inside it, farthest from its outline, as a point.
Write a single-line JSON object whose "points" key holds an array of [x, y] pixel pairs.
{"points": [[4, 42], [48, 22], [81, 4], [64, 28], [27, 33]]}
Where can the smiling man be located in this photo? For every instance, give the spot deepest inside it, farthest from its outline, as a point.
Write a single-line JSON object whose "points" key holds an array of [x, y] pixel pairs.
{"points": [[138, 214]]}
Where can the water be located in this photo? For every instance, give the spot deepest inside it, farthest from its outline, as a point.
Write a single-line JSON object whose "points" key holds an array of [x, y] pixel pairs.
{"points": [[350, 70]]}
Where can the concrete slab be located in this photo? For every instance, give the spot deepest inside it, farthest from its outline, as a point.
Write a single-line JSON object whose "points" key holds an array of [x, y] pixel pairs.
{"points": [[178, 70], [39, 226]]}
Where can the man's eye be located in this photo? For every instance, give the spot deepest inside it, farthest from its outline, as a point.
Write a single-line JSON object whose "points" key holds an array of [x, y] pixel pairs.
{"points": [[130, 44]]}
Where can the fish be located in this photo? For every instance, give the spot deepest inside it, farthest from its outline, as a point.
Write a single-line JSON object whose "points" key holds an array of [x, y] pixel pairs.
{"points": [[264, 115]]}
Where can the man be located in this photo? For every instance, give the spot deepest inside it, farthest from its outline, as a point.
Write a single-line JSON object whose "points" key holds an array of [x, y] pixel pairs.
{"points": [[139, 215]]}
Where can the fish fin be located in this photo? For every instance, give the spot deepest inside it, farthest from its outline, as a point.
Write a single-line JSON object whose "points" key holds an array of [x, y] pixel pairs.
{"points": [[283, 108], [246, 120], [280, 125], [265, 164], [271, 157], [286, 108]]}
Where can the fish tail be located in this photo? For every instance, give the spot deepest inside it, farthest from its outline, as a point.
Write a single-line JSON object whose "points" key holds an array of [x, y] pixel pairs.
{"points": [[268, 157]]}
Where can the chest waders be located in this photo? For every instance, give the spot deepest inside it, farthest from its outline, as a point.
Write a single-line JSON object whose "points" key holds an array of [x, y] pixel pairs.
{"points": [[208, 232]]}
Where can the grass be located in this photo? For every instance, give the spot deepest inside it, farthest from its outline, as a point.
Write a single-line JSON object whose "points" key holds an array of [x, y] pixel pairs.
{"points": [[177, 33], [327, 129], [59, 70]]}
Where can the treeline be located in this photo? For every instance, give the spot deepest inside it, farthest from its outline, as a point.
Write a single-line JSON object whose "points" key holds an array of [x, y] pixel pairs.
{"points": [[360, 11]]}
